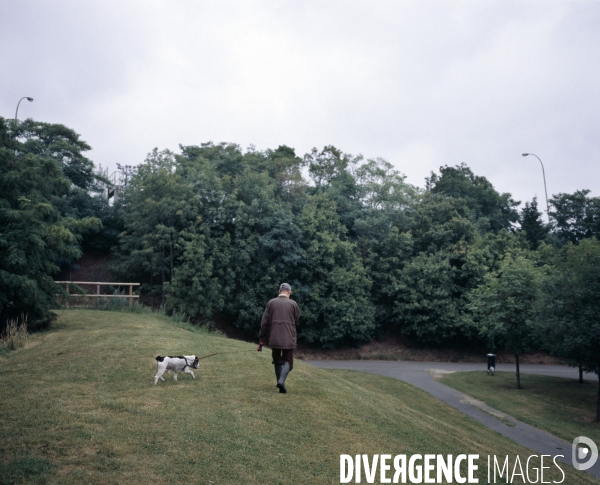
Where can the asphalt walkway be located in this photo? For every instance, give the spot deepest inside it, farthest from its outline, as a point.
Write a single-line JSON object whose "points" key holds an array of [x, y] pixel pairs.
{"points": [[419, 374]]}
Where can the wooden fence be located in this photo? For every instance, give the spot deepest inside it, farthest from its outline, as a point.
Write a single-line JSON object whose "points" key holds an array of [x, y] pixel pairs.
{"points": [[98, 284]]}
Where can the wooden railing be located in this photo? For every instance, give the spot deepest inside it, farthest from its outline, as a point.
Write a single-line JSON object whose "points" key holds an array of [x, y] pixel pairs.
{"points": [[98, 284]]}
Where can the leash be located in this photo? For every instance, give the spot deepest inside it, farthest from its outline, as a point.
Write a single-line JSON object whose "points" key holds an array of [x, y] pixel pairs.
{"points": [[231, 352], [207, 356]]}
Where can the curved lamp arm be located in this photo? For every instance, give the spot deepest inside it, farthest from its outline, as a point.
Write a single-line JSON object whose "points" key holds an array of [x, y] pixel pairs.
{"points": [[17, 111], [544, 174]]}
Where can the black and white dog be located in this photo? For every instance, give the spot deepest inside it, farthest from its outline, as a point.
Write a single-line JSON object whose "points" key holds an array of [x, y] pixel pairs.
{"points": [[176, 364]]}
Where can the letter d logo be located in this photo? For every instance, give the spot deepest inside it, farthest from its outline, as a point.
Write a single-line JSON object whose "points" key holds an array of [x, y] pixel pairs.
{"points": [[579, 457]]}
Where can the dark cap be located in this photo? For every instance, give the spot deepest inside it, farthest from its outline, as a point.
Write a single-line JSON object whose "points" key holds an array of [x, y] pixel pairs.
{"points": [[285, 287]]}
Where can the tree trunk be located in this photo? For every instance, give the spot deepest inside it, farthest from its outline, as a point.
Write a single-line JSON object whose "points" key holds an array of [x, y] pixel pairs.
{"points": [[518, 372], [171, 260], [580, 374], [598, 402], [163, 284]]}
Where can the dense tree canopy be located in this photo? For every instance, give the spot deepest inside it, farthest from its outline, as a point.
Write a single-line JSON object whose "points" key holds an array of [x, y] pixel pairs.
{"points": [[570, 315], [42, 172], [492, 210], [211, 231], [576, 216]]}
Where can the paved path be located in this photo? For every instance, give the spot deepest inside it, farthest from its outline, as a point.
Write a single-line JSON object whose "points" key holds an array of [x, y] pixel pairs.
{"points": [[419, 374]]}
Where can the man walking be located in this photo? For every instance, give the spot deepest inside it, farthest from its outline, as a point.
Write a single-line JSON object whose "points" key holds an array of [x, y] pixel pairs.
{"points": [[278, 332]]}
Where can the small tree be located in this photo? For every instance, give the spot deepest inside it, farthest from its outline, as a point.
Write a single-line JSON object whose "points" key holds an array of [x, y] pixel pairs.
{"points": [[532, 224], [571, 323], [504, 307]]}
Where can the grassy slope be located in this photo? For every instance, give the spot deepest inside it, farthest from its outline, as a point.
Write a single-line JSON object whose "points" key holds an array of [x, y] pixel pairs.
{"points": [[562, 407], [78, 405]]}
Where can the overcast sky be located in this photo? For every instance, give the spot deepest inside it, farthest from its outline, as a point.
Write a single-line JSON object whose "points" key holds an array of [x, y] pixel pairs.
{"points": [[419, 83]]}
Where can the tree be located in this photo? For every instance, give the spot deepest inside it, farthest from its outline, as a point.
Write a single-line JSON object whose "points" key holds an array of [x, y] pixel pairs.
{"points": [[450, 257], [425, 301], [381, 232], [106, 239], [196, 289], [504, 307], [34, 236], [266, 248], [159, 208], [531, 224], [334, 286], [365, 252], [491, 210], [327, 164], [61, 144], [225, 158], [382, 190], [460, 228], [84, 197], [571, 318], [576, 216]]}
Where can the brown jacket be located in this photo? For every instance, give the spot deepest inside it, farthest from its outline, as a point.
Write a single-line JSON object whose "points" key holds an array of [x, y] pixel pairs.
{"points": [[278, 326]]}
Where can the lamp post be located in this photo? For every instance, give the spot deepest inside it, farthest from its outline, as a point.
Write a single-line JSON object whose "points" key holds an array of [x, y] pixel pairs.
{"points": [[17, 111], [545, 189]]}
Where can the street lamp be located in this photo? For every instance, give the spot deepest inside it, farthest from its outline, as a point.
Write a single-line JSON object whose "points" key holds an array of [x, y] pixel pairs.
{"points": [[544, 174], [17, 111]]}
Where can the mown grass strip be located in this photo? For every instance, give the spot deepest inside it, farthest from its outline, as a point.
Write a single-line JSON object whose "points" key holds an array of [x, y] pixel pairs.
{"points": [[79, 406], [563, 407]]}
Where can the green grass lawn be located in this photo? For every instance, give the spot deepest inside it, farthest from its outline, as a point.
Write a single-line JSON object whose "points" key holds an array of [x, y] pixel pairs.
{"points": [[563, 407], [78, 405]]}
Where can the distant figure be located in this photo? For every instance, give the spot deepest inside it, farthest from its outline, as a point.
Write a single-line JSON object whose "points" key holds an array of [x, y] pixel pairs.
{"points": [[278, 332]]}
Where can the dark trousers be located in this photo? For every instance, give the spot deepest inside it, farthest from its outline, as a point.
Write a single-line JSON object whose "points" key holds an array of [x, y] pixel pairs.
{"points": [[283, 355]]}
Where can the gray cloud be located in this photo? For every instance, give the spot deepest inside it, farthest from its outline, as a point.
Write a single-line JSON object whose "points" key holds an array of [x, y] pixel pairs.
{"points": [[421, 84]]}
